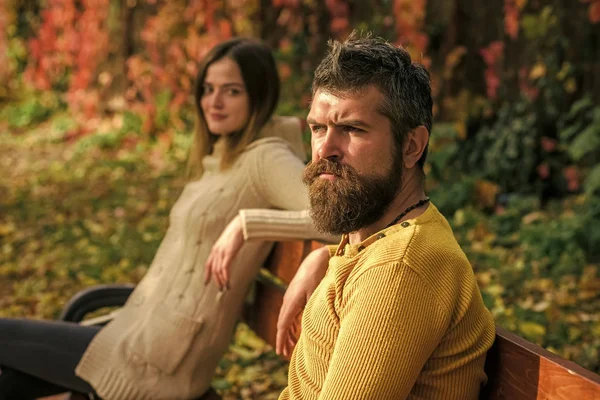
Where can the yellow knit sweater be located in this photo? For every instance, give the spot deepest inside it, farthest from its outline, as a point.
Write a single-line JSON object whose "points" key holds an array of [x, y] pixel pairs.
{"points": [[396, 316]]}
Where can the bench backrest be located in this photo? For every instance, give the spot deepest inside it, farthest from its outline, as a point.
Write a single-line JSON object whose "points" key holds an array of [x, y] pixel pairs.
{"points": [[280, 268], [519, 370], [516, 368]]}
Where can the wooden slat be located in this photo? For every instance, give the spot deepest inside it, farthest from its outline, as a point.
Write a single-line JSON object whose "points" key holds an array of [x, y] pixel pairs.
{"points": [[283, 263], [264, 323], [520, 370], [287, 256]]}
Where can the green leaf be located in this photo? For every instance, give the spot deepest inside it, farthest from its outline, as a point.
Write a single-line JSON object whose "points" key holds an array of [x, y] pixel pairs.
{"points": [[592, 182], [532, 330], [571, 130], [488, 299], [579, 107], [221, 384], [596, 115], [588, 140]]}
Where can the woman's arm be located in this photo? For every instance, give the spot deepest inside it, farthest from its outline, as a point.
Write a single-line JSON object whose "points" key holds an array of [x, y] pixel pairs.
{"points": [[275, 173], [259, 224], [268, 224], [277, 177]]}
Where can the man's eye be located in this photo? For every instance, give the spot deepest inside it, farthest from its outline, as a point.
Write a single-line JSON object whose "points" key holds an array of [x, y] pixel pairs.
{"points": [[234, 92], [317, 128], [353, 129]]}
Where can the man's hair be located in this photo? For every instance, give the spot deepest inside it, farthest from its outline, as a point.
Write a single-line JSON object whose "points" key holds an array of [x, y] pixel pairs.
{"points": [[359, 62]]}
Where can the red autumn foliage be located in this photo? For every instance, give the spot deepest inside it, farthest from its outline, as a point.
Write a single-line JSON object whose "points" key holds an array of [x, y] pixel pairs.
{"points": [[548, 144], [169, 62], [593, 11], [410, 18], [174, 38], [572, 176], [5, 21], [492, 55], [525, 86], [340, 14], [543, 170], [511, 18], [71, 44]]}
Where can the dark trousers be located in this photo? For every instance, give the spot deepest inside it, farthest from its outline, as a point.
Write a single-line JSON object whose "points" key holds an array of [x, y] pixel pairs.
{"points": [[38, 358]]}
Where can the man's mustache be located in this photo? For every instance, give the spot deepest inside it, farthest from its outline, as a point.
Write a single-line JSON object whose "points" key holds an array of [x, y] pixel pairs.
{"points": [[325, 166]]}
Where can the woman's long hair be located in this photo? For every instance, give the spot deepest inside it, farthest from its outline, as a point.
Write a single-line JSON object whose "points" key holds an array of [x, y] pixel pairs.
{"points": [[261, 79]]}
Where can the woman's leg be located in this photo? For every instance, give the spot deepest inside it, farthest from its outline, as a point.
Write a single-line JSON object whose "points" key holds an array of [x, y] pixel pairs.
{"points": [[15, 385], [32, 350]]}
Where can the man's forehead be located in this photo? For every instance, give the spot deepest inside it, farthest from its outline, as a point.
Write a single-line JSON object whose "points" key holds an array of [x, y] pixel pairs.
{"points": [[350, 93], [329, 97], [342, 104]]}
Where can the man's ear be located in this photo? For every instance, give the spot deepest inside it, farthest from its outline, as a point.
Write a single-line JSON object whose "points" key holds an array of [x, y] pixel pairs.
{"points": [[414, 146]]}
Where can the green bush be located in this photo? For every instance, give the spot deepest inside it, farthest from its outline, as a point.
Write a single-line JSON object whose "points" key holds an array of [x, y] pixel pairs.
{"points": [[31, 111]]}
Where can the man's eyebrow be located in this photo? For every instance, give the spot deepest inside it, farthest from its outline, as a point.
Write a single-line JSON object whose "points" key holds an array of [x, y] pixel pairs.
{"points": [[348, 122], [354, 122]]}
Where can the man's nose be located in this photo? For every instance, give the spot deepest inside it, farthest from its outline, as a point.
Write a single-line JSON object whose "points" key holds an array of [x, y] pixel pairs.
{"points": [[329, 146]]}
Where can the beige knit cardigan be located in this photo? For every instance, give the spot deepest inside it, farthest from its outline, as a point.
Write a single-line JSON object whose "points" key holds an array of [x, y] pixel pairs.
{"points": [[167, 340]]}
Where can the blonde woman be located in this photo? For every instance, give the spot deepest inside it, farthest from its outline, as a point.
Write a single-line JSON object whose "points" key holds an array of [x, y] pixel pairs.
{"points": [[167, 340]]}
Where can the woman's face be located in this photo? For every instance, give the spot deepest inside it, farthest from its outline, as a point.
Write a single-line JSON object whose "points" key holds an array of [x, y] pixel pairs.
{"points": [[225, 102]]}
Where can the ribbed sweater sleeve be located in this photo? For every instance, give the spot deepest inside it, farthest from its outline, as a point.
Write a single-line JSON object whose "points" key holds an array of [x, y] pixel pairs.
{"points": [[390, 324], [266, 224], [277, 177]]}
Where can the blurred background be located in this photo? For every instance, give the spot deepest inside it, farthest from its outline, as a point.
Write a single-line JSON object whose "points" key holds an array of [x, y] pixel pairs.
{"points": [[96, 115]]}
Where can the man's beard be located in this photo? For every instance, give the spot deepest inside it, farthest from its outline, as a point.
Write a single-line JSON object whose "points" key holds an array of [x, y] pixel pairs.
{"points": [[349, 202]]}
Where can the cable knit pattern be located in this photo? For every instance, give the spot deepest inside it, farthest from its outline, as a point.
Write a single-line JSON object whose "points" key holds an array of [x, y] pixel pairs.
{"points": [[166, 341], [397, 316]]}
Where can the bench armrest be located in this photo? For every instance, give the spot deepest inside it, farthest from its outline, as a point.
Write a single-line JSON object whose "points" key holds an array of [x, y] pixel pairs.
{"points": [[94, 298]]}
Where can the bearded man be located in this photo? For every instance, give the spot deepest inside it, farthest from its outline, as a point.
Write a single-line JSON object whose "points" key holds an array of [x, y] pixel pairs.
{"points": [[394, 311]]}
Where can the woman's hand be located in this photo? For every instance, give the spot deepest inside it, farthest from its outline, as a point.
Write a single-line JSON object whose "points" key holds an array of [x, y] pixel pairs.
{"points": [[306, 280], [223, 252]]}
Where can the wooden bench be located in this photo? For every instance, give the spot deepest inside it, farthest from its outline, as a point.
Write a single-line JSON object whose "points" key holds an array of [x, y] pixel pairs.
{"points": [[520, 370], [516, 368]]}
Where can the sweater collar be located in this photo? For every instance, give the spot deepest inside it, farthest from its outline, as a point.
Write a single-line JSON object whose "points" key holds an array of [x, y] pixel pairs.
{"points": [[350, 250], [211, 163], [286, 128]]}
